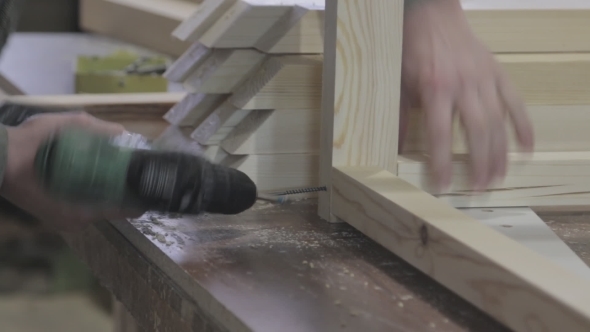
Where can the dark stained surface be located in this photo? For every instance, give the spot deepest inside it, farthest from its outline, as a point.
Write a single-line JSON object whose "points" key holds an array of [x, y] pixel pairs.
{"points": [[283, 269]]}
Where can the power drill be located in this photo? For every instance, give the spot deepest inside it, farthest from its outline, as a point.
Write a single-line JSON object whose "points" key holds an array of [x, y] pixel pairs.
{"points": [[89, 168]]}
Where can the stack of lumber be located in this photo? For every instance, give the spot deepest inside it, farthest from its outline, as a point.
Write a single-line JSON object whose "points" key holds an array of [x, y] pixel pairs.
{"points": [[254, 71], [254, 76], [147, 23]]}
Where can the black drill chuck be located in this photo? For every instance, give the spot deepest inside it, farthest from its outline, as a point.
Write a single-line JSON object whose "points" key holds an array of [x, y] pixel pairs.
{"points": [[177, 182]]}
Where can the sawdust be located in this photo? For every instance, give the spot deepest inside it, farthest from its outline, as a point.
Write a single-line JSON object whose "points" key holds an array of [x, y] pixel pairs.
{"points": [[284, 236], [161, 238]]}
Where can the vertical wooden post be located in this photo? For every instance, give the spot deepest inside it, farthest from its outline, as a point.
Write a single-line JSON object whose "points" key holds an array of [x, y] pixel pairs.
{"points": [[361, 88]]}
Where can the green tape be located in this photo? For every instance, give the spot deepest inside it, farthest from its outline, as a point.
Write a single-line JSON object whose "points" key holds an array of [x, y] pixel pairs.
{"points": [[84, 167]]}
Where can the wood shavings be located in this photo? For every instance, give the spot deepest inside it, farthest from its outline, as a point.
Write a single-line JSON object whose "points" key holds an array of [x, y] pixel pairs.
{"points": [[161, 238]]}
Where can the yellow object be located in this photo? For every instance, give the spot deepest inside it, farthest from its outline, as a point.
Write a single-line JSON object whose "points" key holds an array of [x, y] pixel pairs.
{"points": [[121, 72]]}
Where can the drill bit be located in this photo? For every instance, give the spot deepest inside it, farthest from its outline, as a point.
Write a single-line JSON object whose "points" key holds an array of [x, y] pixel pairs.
{"points": [[283, 196]]}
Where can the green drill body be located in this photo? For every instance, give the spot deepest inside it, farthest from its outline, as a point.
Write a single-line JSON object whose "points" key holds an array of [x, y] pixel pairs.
{"points": [[85, 168], [91, 169]]}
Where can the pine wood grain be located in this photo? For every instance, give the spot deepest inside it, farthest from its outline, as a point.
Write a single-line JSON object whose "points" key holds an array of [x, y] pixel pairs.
{"points": [[283, 82], [301, 32], [360, 105], [557, 128], [518, 287], [276, 172], [543, 179], [223, 71], [207, 13], [194, 108], [187, 62], [147, 23], [275, 132]]}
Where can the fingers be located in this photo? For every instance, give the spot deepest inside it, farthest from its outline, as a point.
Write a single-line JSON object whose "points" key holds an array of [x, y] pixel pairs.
{"points": [[498, 145], [517, 112], [438, 109], [475, 122]]}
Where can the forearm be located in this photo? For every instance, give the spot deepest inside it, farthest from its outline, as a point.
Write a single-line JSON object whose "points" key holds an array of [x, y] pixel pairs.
{"points": [[9, 14]]}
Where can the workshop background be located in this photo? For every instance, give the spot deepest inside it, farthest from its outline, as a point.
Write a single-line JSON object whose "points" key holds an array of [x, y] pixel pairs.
{"points": [[43, 286]]}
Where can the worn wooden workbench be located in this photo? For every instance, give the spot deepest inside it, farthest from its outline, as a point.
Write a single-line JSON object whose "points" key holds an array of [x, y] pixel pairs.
{"points": [[276, 268]]}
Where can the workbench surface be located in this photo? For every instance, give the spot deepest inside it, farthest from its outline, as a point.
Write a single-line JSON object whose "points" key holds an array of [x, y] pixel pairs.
{"points": [[275, 268]]}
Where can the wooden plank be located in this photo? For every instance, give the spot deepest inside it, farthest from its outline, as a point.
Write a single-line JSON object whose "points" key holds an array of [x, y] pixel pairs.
{"points": [[362, 87], [557, 128], [147, 23], [546, 178], [522, 225], [244, 23], [144, 286], [223, 71], [298, 33], [187, 62], [173, 138], [505, 26], [549, 79], [194, 108], [283, 82], [98, 99], [138, 112], [530, 26], [513, 284], [208, 12], [276, 172], [200, 275], [275, 132], [225, 116]]}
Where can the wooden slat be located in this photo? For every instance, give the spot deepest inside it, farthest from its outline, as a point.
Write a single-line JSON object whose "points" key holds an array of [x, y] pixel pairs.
{"points": [[298, 33], [194, 108], [276, 172], [547, 178], [138, 112], [244, 23], [283, 82], [223, 71], [275, 132], [361, 91], [147, 23], [528, 26], [518, 287], [557, 128]]}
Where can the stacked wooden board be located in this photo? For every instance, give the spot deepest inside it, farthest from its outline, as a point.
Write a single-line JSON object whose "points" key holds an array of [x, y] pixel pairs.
{"points": [[146, 23], [254, 73], [254, 76]]}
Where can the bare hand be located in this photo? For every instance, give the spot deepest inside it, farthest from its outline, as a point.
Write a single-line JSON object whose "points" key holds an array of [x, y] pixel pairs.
{"points": [[21, 185], [446, 68]]}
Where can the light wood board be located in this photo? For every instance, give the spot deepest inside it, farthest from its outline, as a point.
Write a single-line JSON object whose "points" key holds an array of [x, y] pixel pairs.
{"points": [[147, 23]]}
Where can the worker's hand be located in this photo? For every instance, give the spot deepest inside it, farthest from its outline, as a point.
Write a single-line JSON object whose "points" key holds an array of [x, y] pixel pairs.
{"points": [[445, 68], [21, 185]]}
